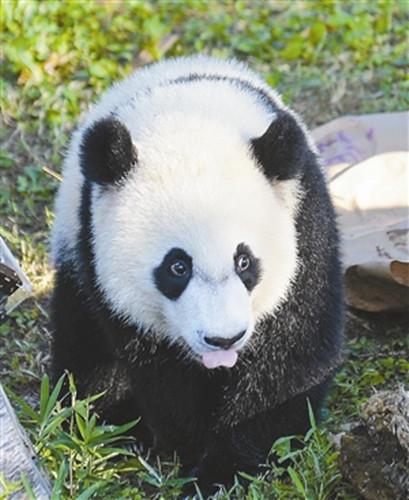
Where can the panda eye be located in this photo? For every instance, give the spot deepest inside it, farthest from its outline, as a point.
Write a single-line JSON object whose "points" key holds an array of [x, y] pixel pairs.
{"points": [[247, 266], [173, 275], [243, 262], [179, 268]]}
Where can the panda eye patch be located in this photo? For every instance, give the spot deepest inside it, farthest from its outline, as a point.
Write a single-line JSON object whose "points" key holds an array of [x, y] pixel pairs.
{"points": [[173, 275], [248, 267]]}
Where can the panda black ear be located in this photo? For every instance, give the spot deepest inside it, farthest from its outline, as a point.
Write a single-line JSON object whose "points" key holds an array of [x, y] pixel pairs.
{"points": [[282, 150], [107, 153]]}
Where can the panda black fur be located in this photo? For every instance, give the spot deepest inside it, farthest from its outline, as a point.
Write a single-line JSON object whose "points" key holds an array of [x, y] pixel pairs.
{"points": [[198, 278]]}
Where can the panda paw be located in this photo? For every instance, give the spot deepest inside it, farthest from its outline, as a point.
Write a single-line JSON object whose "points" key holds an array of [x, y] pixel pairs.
{"points": [[193, 491], [211, 480]]}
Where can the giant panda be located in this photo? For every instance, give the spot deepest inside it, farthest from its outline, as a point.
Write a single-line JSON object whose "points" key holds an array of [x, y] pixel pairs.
{"points": [[198, 280]]}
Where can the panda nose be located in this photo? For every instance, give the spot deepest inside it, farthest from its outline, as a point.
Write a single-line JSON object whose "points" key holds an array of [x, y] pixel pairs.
{"points": [[222, 342]]}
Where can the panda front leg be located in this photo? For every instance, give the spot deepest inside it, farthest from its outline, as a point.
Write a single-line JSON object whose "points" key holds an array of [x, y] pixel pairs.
{"points": [[219, 465], [243, 448], [246, 447], [82, 347]]}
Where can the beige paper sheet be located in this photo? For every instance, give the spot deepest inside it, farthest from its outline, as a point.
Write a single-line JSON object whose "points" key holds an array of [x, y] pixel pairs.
{"points": [[367, 162]]}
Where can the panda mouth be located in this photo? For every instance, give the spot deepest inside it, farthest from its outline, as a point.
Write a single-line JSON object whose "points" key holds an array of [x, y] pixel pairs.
{"points": [[223, 357], [224, 352]]}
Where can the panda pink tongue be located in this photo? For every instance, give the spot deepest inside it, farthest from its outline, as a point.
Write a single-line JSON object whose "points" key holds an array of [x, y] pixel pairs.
{"points": [[215, 359]]}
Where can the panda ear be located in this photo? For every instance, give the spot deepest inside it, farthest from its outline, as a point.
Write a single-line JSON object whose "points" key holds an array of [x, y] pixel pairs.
{"points": [[107, 153], [283, 149]]}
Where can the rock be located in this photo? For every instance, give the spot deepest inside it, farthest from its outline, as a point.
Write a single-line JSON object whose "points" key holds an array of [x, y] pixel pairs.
{"points": [[389, 411], [374, 456]]}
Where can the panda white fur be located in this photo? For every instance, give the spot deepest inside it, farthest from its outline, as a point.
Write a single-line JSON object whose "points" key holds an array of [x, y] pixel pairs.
{"points": [[198, 279]]}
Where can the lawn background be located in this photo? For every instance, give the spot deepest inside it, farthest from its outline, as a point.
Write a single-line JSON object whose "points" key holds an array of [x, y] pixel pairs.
{"points": [[327, 59]]}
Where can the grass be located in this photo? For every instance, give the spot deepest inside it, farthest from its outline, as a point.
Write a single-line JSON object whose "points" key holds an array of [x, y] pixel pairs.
{"points": [[327, 58]]}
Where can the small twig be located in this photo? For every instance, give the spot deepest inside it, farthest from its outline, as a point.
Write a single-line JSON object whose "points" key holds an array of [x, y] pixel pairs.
{"points": [[52, 173]]}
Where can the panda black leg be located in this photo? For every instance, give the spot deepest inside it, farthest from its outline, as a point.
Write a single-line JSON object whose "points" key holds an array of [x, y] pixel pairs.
{"points": [[81, 347], [246, 447]]}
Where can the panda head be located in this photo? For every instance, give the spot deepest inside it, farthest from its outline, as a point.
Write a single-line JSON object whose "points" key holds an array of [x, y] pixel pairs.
{"points": [[192, 239]]}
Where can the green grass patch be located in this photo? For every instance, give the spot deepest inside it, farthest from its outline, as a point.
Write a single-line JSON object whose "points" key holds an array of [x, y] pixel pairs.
{"points": [[83, 458], [328, 58]]}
